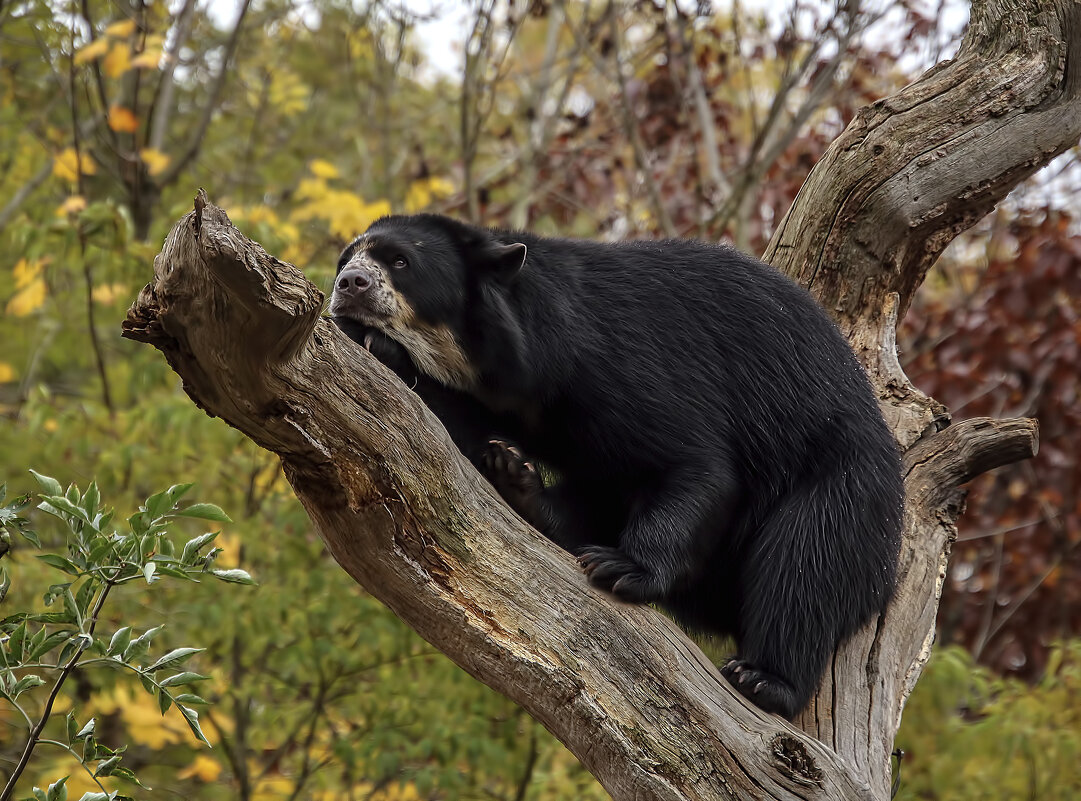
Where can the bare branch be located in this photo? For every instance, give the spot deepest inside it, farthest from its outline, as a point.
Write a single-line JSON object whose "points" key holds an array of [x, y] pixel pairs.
{"points": [[24, 191], [195, 141], [163, 97]]}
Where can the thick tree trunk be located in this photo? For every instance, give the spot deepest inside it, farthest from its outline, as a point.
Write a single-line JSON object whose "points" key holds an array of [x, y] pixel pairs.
{"points": [[415, 525]]}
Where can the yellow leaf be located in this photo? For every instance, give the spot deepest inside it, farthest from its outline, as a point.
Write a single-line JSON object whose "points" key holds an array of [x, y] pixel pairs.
{"points": [[95, 49], [122, 29], [148, 59], [73, 205], [311, 189], [118, 61], [108, 293], [28, 299], [323, 169], [273, 788], [66, 163], [122, 120], [7, 373], [155, 160], [421, 193], [26, 271], [205, 769]]}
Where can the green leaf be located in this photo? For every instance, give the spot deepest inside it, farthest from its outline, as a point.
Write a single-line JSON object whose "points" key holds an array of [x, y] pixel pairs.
{"points": [[60, 563], [164, 701], [234, 576], [84, 596], [25, 683], [54, 640], [57, 791], [192, 546], [139, 522], [49, 486], [31, 536], [128, 774], [174, 658], [141, 644], [15, 643], [99, 548], [54, 504], [34, 642], [72, 609], [189, 698], [50, 617], [192, 717], [71, 725], [91, 500], [87, 730], [97, 796], [106, 768], [5, 583], [39, 794], [119, 641], [205, 511], [182, 678], [157, 505], [178, 574]]}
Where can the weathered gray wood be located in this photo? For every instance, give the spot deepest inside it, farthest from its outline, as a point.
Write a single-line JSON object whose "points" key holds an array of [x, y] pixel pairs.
{"points": [[621, 686], [908, 174]]}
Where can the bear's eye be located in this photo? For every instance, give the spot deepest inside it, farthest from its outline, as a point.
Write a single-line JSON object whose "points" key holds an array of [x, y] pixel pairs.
{"points": [[399, 262]]}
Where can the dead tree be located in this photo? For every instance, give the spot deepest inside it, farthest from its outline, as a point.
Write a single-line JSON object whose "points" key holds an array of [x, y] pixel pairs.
{"points": [[621, 686]]}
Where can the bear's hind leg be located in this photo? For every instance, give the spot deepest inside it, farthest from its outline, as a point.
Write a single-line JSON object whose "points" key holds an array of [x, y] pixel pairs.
{"points": [[807, 581]]}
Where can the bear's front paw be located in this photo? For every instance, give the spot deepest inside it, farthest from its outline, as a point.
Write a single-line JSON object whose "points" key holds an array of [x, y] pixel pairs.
{"points": [[515, 479], [613, 570]]}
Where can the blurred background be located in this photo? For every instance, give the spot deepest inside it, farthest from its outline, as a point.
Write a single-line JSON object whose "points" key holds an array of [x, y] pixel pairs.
{"points": [[308, 119]]}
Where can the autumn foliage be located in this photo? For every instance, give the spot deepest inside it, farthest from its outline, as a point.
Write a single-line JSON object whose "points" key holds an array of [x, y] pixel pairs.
{"points": [[1005, 340]]}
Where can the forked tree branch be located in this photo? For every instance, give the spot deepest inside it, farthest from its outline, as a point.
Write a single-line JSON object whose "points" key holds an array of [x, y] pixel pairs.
{"points": [[414, 524]]}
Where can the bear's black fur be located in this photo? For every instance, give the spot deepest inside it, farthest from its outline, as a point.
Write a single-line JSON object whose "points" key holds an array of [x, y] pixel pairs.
{"points": [[720, 449]]}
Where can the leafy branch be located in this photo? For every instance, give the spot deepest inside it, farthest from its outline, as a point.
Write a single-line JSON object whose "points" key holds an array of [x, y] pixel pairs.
{"points": [[98, 559]]}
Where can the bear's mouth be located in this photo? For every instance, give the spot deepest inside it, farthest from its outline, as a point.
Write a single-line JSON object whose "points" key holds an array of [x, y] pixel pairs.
{"points": [[373, 308]]}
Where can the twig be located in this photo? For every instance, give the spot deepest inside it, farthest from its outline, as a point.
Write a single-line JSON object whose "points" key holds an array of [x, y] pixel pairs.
{"points": [[195, 142]]}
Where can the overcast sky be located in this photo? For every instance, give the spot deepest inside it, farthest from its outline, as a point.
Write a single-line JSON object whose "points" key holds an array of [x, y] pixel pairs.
{"points": [[441, 37]]}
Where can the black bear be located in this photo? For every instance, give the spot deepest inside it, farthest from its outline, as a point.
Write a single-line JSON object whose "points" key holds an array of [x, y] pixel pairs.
{"points": [[719, 448]]}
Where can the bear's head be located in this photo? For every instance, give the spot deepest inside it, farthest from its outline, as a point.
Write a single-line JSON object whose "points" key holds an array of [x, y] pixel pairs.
{"points": [[428, 282]]}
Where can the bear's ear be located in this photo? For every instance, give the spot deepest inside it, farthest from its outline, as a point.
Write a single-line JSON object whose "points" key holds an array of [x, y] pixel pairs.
{"points": [[503, 262]]}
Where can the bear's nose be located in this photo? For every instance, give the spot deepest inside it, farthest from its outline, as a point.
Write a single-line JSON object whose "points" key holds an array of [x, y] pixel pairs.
{"points": [[354, 280]]}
